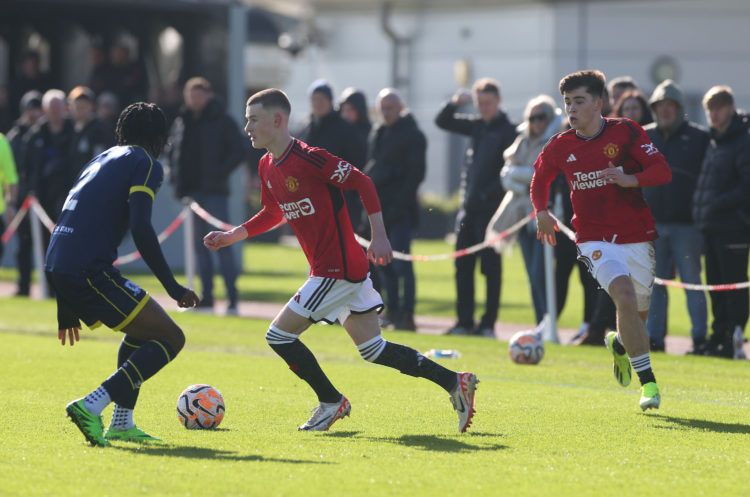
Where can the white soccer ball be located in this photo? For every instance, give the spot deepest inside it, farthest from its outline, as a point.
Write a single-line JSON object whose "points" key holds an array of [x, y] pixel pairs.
{"points": [[526, 347], [200, 407]]}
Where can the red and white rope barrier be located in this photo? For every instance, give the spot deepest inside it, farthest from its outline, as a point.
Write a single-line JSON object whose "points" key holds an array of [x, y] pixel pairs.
{"points": [[42, 215], [13, 226], [458, 253], [203, 214], [168, 231], [31, 203]]}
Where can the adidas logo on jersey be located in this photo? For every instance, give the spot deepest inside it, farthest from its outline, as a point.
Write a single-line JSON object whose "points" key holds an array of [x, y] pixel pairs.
{"points": [[572, 158]]}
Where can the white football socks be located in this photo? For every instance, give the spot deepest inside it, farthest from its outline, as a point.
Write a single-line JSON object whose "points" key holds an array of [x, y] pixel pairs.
{"points": [[97, 400], [122, 418]]}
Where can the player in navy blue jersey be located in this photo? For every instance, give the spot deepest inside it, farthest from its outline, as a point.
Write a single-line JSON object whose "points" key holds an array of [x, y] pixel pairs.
{"points": [[114, 193]]}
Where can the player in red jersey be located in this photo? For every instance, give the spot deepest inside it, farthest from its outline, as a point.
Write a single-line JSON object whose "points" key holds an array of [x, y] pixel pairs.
{"points": [[304, 185], [606, 162]]}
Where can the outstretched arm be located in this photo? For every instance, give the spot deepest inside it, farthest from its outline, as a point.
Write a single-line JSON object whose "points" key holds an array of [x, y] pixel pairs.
{"points": [[148, 245]]}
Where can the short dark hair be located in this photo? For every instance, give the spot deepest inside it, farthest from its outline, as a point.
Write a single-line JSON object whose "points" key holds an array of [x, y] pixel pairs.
{"points": [[486, 85], [593, 80], [199, 83], [718, 96], [624, 82], [271, 98], [142, 124]]}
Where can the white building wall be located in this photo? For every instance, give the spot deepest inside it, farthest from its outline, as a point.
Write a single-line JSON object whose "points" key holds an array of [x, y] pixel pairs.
{"points": [[527, 48]]}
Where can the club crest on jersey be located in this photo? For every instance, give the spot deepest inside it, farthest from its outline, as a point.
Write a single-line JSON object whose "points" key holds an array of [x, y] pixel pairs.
{"points": [[596, 255], [292, 184], [342, 171], [295, 210], [611, 150]]}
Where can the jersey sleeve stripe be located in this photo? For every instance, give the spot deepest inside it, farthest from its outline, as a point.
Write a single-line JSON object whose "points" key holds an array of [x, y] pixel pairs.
{"points": [[144, 189], [307, 159]]}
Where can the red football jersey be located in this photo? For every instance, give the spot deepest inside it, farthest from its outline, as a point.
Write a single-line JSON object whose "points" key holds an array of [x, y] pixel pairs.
{"points": [[305, 186], [603, 211]]}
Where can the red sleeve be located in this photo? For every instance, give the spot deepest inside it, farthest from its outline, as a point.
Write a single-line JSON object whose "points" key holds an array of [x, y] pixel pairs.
{"points": [[341, 174], [545, 171], [267, 218], [656, 171]]}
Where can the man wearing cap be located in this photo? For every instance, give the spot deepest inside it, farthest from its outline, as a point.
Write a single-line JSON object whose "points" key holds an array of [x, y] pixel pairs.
{"points": [[680, 244], [91, 136], [327, 129]]}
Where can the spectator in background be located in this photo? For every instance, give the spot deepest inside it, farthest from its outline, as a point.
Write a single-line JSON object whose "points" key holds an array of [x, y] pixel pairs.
{"points": [[128, 76], [47, 160], [680, 244], [206, 146], [491, 133], [353, 108], [31, 112], [8, 186], [47, 157], [633, 105], [542, 119], [721, 210], [102, 76], [397, 166], [616, 87], [108, 110], [328, 130], [29, 78], [91, 136]]}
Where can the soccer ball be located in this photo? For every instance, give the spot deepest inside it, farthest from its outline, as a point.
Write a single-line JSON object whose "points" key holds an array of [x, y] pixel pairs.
{"points": [[200, 407], [526, 347]]}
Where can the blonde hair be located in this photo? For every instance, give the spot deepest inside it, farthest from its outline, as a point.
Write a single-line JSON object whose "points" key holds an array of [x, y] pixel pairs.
{"points": [[545, 102]]}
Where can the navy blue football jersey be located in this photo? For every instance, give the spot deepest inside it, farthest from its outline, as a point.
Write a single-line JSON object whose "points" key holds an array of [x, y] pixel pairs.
{"points": [[95, 216]]}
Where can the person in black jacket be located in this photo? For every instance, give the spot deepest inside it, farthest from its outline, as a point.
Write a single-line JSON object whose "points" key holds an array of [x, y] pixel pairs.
{"points": [[92, 135], [206, 147], [680, 244], [491, 133], [353, 108], [18, 137], [327, 129], [397, 167], [721, 210]]}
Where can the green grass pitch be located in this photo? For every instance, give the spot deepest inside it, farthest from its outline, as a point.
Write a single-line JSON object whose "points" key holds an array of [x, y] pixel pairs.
{"points": [[562, 428]]}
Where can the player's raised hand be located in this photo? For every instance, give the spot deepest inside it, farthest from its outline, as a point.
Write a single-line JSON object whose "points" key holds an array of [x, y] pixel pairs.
{"points": [[546, 226], [189, 299], [72, 333]]}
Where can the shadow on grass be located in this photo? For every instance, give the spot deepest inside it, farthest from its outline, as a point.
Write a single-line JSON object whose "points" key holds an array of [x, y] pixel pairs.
{"points": [[340, 434], [441, 444], [189, 452], [702, 424]]}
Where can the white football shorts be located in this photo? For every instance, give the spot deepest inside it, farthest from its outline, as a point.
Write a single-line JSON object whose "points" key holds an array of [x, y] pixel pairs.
{"points": [[329, 299], [606, 261]]}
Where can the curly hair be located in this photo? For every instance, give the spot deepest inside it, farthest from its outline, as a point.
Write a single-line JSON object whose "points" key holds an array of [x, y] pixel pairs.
{"points": [[142, 124]]}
